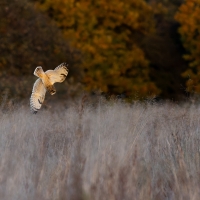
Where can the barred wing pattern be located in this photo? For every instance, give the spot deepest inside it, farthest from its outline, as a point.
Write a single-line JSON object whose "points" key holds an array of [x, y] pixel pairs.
{"points": [[58, 74], [37, 96]]}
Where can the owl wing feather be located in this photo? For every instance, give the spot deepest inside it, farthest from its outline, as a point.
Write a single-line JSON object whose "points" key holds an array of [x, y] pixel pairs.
{"points": [[37, 96], [58, 74]]}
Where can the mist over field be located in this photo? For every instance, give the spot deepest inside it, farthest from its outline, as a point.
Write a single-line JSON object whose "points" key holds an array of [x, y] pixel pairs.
{"points": [[100, 150]]}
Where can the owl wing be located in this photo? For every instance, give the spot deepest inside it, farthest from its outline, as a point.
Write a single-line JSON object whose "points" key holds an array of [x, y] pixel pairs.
{"points": [[37, 96], [58, 74]]}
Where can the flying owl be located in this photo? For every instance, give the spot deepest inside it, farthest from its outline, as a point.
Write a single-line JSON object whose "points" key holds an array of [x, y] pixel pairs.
{"points": [[45, 83]]}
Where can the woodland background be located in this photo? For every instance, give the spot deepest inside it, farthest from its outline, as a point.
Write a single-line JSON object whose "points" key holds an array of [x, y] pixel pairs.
{"points": [[131, 48]]}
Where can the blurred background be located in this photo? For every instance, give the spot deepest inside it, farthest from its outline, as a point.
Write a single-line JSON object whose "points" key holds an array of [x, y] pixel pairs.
{"points": [[128, 48]]}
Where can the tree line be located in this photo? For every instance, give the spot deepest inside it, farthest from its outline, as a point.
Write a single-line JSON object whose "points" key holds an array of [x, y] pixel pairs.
{"points": [[134, 48]]}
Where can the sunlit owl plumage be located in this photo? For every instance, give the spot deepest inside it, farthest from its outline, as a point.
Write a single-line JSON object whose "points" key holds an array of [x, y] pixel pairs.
{"points": [[45, 82]]}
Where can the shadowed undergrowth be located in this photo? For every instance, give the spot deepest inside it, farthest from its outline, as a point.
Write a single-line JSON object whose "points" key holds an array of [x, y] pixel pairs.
{"points": [[111, 151]]}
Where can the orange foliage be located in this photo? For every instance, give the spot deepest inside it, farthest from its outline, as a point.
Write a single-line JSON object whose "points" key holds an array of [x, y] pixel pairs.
{"points": [[189, 19], [28, 38], [107, 33]]}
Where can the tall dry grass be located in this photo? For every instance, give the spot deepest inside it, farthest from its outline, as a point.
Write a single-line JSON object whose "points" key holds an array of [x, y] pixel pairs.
{"points": [[100, 150]]}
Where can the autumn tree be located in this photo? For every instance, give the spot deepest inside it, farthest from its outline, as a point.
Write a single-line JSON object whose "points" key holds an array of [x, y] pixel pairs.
{"points": [[108, 34], [164, 49], [28, 39], [189, 18]]}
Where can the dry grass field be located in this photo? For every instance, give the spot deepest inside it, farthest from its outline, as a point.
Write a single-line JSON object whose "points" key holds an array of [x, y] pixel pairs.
{"points": [[101, 151]]}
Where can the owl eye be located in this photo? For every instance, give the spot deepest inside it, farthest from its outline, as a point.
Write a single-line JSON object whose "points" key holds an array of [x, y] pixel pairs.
{"points": [[64, 75]]}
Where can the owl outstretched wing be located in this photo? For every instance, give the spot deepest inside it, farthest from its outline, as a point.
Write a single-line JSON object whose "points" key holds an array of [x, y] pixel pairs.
{"points": [[58, 74], [37, 96]]}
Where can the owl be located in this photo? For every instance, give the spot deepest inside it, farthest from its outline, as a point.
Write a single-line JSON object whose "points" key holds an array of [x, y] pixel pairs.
{"points": [[45, 82]]}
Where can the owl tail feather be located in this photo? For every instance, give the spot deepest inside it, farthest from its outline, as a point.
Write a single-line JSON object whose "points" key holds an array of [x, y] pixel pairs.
{"points": [[39, 72]]}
